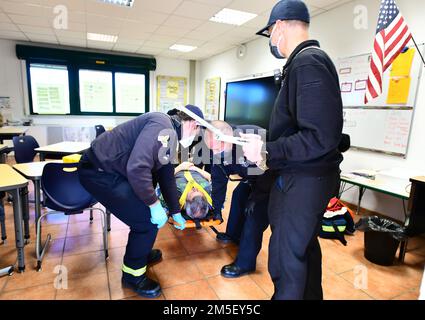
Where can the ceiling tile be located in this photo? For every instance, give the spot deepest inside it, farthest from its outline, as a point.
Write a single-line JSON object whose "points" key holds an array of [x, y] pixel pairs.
{"points": [[100, 45], [8, 26], [36, 30], [149, 50], [22, 8], [5, 34], [197, 10], [30, 21], [253, 6], [182, 23], [168, 31], [34, 37], [163, 6], [147, 17], [69, 41], [71, 5], [4, 17], [71, 34], [106, 9]]}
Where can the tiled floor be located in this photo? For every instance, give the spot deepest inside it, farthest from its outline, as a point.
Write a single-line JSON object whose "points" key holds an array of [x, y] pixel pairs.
{"points": [[190, 268]]}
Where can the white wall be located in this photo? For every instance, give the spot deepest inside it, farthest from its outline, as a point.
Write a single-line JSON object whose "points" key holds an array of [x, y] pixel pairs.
{"points": [[335, 30]]}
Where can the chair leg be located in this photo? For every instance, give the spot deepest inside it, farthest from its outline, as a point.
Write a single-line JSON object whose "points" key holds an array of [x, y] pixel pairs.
{"points": [[40, 250], [108, 219], [3, 226], [104, 222], [2, 220]]}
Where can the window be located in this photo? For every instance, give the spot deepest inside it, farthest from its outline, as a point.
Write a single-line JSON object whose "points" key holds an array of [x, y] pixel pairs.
{"points": [[130, 92], [86, 83], [49, 89], [96, 94]]}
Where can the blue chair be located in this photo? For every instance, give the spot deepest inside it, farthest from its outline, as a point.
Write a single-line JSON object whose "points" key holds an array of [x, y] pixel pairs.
{"points": [[99, 130], [63, 193], [24, 148]]}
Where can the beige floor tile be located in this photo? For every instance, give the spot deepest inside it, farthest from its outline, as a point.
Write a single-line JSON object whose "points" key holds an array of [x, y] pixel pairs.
{"points": [[200, 243], [86, 287], [243, 288], [173, 272], [44, 292], [170, 248], [337, 288], [83, 244], [210, 263], [32, 278], [86, 263], [198, 290]]}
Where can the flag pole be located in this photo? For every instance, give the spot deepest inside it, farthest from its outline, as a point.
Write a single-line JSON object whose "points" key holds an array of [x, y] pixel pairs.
{"points": [[420, 53]]}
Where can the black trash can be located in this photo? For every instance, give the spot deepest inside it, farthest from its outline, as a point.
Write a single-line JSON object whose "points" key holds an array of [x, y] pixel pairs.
{"points": [[382, 238]]}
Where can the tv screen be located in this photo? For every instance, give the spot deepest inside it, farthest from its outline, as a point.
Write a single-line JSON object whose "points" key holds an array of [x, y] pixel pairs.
{"points": [[250, 101]]}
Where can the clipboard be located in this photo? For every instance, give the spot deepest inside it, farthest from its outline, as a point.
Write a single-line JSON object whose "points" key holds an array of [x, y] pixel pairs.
{"points": [[220, 136]]}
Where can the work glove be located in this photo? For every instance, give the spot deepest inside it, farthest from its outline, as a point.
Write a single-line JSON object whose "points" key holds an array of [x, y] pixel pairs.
{"points": [[178, 218], [158, 215]]}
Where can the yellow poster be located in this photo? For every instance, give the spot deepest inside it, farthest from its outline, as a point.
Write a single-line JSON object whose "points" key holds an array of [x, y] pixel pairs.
{"points": [[172, 89], [171, 92], [402, 66], [398, 92], [212, 98]]}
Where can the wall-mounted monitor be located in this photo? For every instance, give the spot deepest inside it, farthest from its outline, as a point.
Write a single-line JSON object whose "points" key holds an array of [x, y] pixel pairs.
{"points": [[250, 101]]}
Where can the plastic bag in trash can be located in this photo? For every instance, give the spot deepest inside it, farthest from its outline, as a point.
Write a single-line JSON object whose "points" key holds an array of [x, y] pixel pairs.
{"points": [[378, 224]]}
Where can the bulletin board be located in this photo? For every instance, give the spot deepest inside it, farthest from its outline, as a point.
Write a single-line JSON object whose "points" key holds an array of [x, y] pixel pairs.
{"points": [[212, 98], [384, 124], [171, 92]]}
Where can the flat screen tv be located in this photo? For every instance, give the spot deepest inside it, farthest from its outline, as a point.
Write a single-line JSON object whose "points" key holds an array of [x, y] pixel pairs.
{"points": [[250, 101]]}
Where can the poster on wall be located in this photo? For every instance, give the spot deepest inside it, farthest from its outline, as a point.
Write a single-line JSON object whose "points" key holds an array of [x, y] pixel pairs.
{"points": [[171, 92], [212, 98]]}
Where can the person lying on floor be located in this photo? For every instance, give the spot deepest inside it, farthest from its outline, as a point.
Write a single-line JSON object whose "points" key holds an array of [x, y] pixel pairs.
{"points": [[194, 189]]}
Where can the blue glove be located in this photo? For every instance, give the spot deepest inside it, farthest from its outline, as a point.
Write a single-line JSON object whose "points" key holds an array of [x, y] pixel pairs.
{"points": [[158, 215], [180, 220]]}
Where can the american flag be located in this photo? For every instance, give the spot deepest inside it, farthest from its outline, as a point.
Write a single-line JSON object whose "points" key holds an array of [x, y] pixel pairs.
{"points": [[392, 36]]}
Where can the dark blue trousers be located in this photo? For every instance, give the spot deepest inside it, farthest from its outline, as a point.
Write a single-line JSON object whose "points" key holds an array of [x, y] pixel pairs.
{"points": [[115, 193], [297, 205], [247, 229]]}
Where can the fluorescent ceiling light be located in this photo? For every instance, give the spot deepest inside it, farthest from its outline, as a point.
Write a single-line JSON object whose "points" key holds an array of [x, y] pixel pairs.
{"points": [[234, 17], [123, 3], [101, 37], [182, 48]]}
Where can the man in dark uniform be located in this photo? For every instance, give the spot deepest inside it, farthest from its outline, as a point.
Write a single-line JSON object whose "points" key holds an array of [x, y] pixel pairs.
{"points": [[121, 170], [304, 134], [248, 212]]}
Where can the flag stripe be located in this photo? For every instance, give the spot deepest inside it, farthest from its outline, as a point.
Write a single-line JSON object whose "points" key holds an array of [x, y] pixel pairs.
{"points": [[392, 36]]}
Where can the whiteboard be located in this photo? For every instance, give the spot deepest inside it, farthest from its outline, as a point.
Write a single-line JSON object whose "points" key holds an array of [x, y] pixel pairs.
{"points": [[385, 130], [353, 74], [377, 126]]}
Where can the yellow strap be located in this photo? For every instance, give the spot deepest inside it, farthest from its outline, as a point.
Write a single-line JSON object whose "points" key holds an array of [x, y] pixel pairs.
{"points": [[191, 183], [135, 273]]}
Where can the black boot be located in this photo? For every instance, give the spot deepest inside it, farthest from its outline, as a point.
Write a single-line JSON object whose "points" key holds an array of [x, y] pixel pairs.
{"points": [[154, 257], [224, 238], [233, 271], [144, 286]]}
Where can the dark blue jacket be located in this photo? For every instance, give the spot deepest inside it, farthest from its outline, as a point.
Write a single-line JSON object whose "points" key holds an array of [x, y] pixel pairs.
{"points": [[307, 119], [226, 166], [138, 151]]}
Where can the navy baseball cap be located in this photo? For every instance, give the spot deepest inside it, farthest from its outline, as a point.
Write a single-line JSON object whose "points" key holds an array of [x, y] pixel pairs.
{"points": [[196, 110], [286, 10]]}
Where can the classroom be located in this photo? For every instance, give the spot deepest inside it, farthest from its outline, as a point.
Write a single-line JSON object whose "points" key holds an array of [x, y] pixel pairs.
{"points": [[238, 150]]}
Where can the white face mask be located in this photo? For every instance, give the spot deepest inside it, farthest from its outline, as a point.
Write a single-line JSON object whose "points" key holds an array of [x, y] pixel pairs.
{"points": [[187, 142]]}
